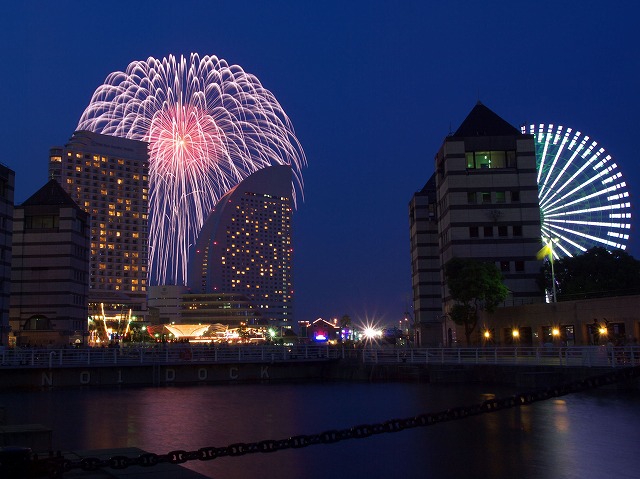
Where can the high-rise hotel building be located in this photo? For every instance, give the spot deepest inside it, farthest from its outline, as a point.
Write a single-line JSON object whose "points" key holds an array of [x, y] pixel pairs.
{"points": [[245, 246], [109, 178]]}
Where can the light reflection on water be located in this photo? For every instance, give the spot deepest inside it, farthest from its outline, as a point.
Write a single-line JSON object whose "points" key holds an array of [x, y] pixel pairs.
{"points": [[578, 436]]}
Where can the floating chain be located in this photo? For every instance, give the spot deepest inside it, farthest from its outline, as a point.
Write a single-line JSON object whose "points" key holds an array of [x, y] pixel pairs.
{"points": [[57, 466]]}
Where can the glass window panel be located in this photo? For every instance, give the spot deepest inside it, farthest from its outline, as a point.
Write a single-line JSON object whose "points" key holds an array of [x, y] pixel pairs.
{"points": [[483, 159], [497, 159]]}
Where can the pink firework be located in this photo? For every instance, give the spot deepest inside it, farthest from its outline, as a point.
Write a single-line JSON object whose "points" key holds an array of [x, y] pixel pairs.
{"points": [[209, 125]]}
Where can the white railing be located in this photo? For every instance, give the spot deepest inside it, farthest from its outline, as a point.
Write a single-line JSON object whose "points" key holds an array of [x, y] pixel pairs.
{"points": [[163, 354], [579, 356]]}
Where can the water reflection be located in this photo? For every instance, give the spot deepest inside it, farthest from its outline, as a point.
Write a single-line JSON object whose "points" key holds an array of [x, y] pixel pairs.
{"points": [[578, 436]]}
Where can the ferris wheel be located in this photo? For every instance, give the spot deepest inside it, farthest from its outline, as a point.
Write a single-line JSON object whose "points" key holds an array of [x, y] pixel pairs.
{"points": [[584, 200]]}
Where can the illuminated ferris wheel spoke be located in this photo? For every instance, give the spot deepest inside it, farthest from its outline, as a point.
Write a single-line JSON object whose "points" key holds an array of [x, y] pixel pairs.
{"points": [[560, 176], [583, 198], [553, 164], [543, 157]]}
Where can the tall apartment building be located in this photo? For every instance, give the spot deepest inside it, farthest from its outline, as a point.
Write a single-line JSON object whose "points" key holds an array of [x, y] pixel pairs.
{"points": [[245, 246], [109, 178], [49, 269], [486, 207], [7, 184]]}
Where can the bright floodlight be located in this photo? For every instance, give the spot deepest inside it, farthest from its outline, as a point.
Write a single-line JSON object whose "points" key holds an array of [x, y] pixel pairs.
{"points": [[371, 333], [209, 125], [584, 201]]}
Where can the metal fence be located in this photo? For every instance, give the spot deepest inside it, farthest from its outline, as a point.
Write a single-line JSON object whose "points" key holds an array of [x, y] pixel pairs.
{"points": [[579, 356], [584, 356], [163, 354]]}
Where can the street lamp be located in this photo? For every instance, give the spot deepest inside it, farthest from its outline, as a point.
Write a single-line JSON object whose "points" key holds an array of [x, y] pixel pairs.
{"points": [[516, 334]]}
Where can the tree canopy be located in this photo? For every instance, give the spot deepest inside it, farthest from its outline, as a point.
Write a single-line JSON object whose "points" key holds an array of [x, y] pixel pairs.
{"points": [[596, 273], [474, 286]]}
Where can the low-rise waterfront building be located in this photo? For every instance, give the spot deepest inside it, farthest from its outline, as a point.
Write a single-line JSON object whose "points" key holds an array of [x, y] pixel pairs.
{"points": [[49, 269], [7, 184], [567, 323]]}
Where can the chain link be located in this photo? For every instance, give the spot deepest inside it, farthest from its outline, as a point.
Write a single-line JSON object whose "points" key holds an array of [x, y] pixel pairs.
{"points": [[56, 466]]}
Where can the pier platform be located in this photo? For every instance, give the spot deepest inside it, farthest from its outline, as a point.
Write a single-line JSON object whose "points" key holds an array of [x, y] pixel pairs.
{"points": [[158, 471]]}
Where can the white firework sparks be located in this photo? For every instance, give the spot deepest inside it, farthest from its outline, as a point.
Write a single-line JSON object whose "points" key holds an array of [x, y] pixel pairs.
{"points": [[209, 125]]}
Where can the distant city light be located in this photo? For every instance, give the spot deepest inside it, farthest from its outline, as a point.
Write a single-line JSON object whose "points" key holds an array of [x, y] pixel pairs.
{"points": [[371, 333]]}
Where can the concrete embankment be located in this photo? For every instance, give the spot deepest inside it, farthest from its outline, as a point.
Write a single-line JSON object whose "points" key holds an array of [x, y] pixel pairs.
{"points": [[526, 377], [159, 374]]}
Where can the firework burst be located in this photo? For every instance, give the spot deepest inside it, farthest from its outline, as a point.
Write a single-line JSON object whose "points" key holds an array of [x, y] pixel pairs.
{"points": [[209, 125]]}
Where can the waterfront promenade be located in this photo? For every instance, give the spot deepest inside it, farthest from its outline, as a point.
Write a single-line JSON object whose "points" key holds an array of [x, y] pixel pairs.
{"points": [[184, 363], [185, 353]]}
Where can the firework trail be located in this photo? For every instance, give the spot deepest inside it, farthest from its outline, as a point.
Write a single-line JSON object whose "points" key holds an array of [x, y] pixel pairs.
{"points": [[209, 125]]}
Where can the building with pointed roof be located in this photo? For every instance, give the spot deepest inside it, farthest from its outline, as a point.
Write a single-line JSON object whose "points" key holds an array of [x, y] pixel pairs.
{"points": [[483, 203], [49, 269]]}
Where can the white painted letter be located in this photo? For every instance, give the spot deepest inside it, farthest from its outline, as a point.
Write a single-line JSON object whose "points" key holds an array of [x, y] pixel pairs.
{"points": [[85, 377]]}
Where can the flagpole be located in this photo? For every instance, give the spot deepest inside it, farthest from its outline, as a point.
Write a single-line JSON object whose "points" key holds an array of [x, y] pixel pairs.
{"points": [[553, 273]]}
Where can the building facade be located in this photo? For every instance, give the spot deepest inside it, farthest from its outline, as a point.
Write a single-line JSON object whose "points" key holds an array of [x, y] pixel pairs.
{"points": [[245, 245], [7, 185], [164, 303], [584, 322], [485, 207], [226, 310], [176, 305], [49, 269], [109, 178], [425, 265]]}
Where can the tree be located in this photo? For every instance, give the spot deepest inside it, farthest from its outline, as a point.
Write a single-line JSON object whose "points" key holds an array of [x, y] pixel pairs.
{"points": [[474, 286], [596, 273]]}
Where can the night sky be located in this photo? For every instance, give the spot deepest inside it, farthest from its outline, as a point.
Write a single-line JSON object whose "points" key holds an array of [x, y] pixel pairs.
{"points": [[372, 89]]}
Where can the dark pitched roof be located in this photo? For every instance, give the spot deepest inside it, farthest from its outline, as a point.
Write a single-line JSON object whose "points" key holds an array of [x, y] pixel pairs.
{"points": [[483, 122], [430, 185], [50, 194]]}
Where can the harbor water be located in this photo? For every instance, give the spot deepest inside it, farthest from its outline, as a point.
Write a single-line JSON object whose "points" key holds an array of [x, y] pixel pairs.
{"points": [[586, 435]]}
